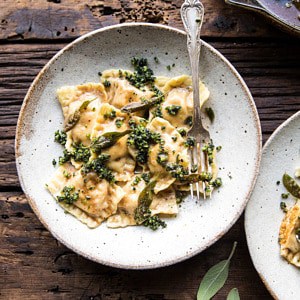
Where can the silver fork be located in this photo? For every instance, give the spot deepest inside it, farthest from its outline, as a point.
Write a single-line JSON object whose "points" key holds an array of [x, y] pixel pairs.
{"points": [[192, 13]]}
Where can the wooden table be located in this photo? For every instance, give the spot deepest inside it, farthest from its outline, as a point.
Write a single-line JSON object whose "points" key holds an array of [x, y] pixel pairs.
{"points": [[33, 265]]}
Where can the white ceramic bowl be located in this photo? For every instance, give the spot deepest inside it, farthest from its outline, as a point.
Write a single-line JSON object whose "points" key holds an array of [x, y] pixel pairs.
{"points": [[263, 215], [236, 128]]}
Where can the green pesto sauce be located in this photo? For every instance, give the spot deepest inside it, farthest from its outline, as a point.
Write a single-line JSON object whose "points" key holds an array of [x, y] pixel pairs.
{"points": [[110, 115], [173, 109], [98, 165], [68, 195], [141, 138]]}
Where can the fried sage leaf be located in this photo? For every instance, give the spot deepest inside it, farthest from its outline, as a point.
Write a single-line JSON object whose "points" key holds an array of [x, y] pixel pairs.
{"points": [[291, 185], [143, 105], [74, 118], [144, 201], [215, 278], [72, 121], [233, 295], [107, 139], [142, 214]]}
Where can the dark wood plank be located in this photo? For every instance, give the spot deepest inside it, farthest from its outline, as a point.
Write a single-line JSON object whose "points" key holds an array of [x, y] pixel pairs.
{"points": [[71, 18], [36, 266]]}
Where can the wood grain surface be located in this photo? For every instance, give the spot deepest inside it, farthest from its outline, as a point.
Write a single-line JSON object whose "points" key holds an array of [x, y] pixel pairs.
{"points": [[33, 265], [28, 19]]}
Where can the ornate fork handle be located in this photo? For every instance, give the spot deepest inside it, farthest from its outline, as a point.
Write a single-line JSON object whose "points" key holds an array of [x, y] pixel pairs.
{"points": [[192, 13]]}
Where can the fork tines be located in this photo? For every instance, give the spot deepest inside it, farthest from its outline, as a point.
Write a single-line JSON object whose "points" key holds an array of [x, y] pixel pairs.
{"points": [[199, 163]]}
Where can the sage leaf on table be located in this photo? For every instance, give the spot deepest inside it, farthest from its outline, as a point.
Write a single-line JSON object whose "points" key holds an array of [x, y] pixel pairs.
{"points": [[233, 295], [215, 278]]}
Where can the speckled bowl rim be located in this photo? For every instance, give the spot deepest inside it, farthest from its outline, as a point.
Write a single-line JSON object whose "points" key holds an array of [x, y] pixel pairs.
{"points": [[19, 135], [266, 145]]}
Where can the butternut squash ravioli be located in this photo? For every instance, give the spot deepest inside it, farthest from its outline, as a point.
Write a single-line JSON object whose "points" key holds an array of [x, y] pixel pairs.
{"points": [[125, 157]]}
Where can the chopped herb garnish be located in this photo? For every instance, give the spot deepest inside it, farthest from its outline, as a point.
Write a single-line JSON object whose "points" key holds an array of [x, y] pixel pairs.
{"points": [[110, 115], [132, 123], [190, 142], [177, 171], [219, 148], [189, 121], [206, 176], [284, 195], [207, 189], [217, 182], [168, 67], [100, 74], [142, 75], [80, 153], [180, 195], [141, 138], [283, 206], [173, 109], [146, 177], [208, 149], [157, 112], [157, 92], [193, 178], [156, 60], [106, 83], [182, 131], [136, 180], [98, 166], [119, 122], [198, 20], [278, 182], [60, 137], [174, 138], [162, 157], [65, 158], [68, 195], [154, 222], [66, 174]]}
